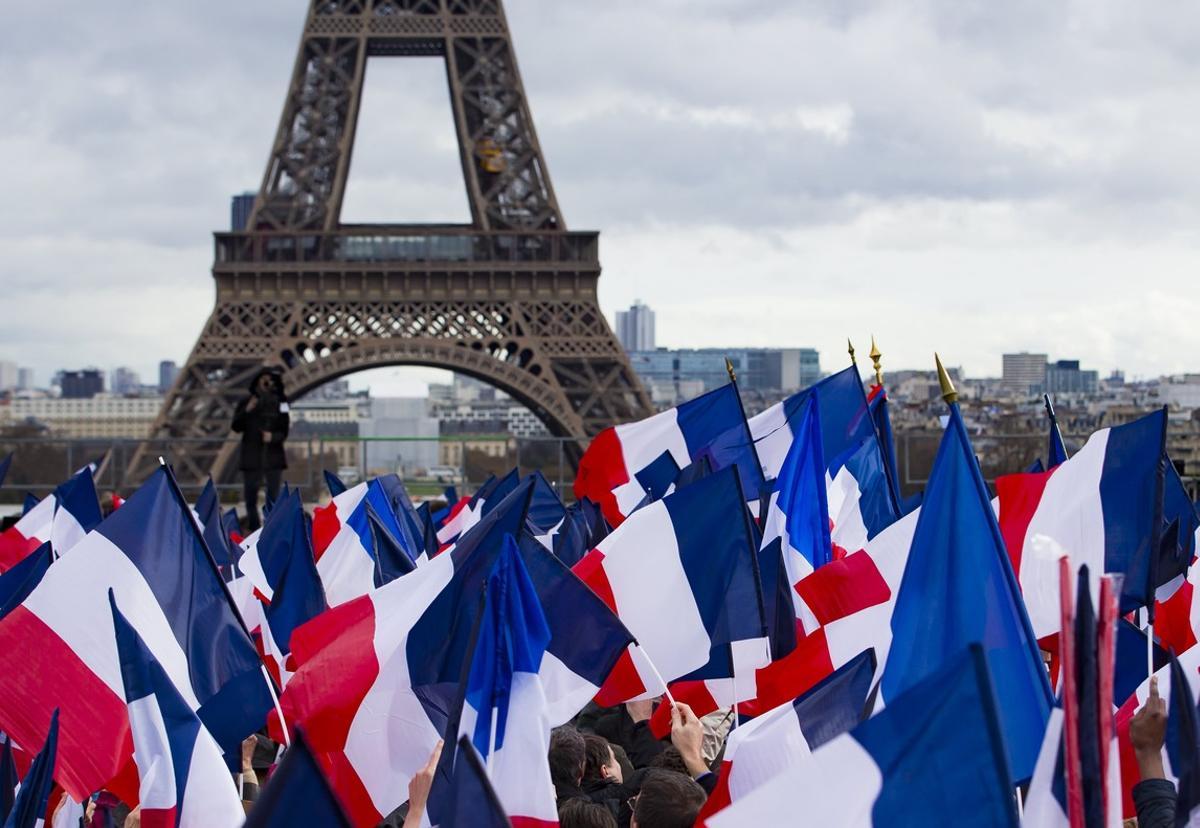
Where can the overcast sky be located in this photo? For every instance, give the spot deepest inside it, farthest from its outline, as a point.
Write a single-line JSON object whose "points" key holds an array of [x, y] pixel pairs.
{"points": [[969, 176]]}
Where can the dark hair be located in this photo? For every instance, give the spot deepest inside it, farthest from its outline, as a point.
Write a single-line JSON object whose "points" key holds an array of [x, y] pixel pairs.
{"points": [[668, 800], [598, 755], [670, 759], [579, 813], [567, 755]]}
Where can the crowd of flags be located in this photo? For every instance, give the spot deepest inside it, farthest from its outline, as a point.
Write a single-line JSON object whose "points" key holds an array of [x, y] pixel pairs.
{"points": [[968, 655]]}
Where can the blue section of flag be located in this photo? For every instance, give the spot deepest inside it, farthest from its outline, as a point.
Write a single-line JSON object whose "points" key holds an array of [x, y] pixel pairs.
{"points": [[29, 807], [512, 639], [333, 483], [718, 558], [208, 509], [585, 635], [658, 477], [299, 793], [1131, 497], [875, 504], [19, 582], [8, 779], [440, 640], [78, 496], [231, 524], [28, 503], [958, 589], [940, 752], [4, 466], [582, 530], [156, 531], [1183, 744], [714, 426], [802, 496], [143, 676], [392, 500], [285, 548], [1129, 666], [470, 801], [391, 560], [546, 510], [887, 446], [778, 608], [837, 703], [845, 420]]}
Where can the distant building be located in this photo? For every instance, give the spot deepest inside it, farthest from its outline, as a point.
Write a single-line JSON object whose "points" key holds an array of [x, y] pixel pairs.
{"points": [[400, 417], [1182, 392], [125, 381], [24, 379], [1065, 377], [1024, 373], [8, 375], [81, 385], [99, 415], [240, 209], [635, 328], [167, 372], [672, 375]]}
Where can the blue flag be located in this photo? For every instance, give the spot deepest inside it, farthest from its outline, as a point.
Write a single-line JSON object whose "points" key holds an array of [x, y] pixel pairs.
{"points": [[333, 483], [958, 589], [8, 780], [18, 582], [30, 804], [1183, 744], [285, 548], [799, 512], [391, 561], [471, 801]]}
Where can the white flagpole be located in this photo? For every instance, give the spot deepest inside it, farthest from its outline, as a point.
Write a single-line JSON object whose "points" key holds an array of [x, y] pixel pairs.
{"points": [[657, 675], [287, 738]]}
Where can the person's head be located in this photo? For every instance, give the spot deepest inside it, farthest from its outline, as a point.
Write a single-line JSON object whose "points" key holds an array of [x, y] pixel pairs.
{"points": [[267, 383], [580, 813], [601, 764], [670, 759], [567, 756], [667, 800]]}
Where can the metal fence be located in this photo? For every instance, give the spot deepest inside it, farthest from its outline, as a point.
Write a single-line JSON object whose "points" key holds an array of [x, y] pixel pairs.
{"points": [[43, 462]]}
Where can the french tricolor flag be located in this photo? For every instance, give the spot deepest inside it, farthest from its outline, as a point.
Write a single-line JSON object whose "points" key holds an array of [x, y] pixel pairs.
{"points": [[62, 518], [1102, 508], [58, 646], [342, 542], [758, 751], [377, 676], [184, 780], [626, 462], [860, 500], [503, 708], [933, 756], [689, 557]]}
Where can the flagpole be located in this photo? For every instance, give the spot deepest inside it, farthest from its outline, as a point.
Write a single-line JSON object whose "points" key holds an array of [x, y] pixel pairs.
{"points": [[287, 738], [657, 675], [746, 421]]}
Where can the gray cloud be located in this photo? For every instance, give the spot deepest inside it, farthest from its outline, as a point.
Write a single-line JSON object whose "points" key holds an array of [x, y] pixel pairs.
{"points": [[990, 175]]}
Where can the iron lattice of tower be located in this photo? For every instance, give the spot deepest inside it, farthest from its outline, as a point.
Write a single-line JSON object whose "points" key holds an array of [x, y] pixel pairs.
{"points": [[509, 299]]}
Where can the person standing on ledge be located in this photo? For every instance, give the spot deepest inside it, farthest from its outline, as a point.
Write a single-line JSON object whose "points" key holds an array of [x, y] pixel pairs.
{"points": [[263, 420]]}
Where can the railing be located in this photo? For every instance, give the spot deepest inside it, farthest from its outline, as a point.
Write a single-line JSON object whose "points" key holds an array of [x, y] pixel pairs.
{"points": [[366, 245], [41, 463]]}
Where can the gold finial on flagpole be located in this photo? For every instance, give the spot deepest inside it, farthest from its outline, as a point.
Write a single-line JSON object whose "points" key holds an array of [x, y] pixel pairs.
{"points": [[729, 370], [948, 392], [876, 356], [850, 349]]}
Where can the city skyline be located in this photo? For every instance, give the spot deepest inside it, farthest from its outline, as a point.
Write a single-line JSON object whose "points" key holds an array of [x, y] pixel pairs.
{"points": [[998, 195]]}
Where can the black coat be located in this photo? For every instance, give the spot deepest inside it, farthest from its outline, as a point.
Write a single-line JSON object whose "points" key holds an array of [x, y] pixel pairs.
{"points": [[271, 415]]}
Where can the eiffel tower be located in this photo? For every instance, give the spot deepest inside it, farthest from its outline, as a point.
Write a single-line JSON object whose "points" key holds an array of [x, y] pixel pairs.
{"points": [[509, 299]]}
